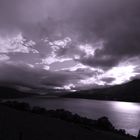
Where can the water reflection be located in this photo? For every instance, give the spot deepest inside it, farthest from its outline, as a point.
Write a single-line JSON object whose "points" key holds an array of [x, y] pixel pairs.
{"points": [[125, 106], [126, 116], [123, 115]]}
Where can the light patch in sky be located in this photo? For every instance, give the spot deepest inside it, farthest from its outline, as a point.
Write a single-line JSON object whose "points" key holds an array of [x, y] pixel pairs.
{"points": [[121, 73], [46, 67], [56, 45], [16, 44], [59, 66], [4, 57], [68, 87], [92, 81], [89, 50], [62, 43], [76, 57], [79, 66], [50, 60]]}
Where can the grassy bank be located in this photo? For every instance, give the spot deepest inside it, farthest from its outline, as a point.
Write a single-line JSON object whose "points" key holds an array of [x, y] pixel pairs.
{"points": [[20, 122]]}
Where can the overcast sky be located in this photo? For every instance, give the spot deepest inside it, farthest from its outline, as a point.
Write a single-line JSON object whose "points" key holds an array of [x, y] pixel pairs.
{"points": [[69, 44]]}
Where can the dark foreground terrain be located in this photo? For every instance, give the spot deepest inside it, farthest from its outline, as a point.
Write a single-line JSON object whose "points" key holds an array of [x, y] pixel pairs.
{"points": [[19, 123]]}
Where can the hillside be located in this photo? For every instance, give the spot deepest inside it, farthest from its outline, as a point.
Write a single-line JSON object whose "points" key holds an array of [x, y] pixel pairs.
{"points": [[23, 125], [9, 92], [126, 92]]}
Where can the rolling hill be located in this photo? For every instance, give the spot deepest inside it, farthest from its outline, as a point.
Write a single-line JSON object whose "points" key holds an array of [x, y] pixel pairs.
{"points": [[126, 92], [9, 92]]}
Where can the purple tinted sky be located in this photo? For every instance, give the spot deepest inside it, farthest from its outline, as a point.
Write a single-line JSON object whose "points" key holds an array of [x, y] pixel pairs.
{"points": [[62, 44]]}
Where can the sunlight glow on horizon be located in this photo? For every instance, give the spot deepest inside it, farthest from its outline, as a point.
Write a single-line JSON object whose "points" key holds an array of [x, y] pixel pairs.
{"points": [[121, 73]]}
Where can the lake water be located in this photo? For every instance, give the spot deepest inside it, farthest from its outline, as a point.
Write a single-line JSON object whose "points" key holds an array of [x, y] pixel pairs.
{"points": [[123, 115]]}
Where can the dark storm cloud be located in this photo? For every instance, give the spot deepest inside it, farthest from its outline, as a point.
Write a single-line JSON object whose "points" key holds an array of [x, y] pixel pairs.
{"points": [[18, 74], [9, 16], [60, 79], [115, 22], [103, 62], [15, 74]]}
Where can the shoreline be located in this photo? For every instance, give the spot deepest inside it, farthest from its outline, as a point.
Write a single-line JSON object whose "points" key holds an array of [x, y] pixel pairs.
{"points": [[102, 124]]}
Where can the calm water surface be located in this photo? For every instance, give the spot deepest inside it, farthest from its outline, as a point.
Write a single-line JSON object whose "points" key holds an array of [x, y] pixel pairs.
{"points": [[124, 115]]}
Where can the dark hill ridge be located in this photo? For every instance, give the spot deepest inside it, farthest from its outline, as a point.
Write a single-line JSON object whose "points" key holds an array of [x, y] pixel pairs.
{"points": [[126, 92], [9, 92]]}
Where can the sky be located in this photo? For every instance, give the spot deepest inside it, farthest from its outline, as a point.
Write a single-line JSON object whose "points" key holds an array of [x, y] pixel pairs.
{"points": [[69, 45]]}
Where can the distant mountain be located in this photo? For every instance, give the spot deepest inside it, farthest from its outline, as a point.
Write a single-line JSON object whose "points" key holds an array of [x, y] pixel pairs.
{"points": [[9, 92], [126, 92]]}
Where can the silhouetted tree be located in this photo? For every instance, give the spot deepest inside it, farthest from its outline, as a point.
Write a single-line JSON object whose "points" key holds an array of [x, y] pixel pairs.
{"points": [[104, 124], [138, 135], [38, 110], [122, 131], [20, 136]]}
